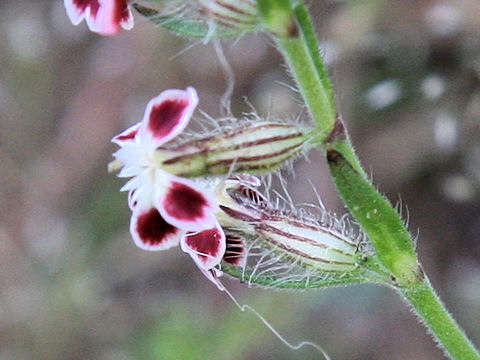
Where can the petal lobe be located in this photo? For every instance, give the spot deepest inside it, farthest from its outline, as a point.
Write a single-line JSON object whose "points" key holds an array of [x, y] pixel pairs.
{"points": [[168, 114], [151, 232], [206, 247], [105, 17], [186, 206], [126, 136]]}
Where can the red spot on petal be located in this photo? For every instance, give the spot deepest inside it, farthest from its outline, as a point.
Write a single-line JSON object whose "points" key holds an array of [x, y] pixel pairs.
{"points": [[115, 12], [235, 250], [128, 136], [207, 243], [120, 11], [153, 229], [185, 203], [82, 5], [166, 116]]}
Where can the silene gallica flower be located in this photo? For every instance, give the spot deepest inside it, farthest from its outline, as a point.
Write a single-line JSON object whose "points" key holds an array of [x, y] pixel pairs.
{"points": [[168, 209], [105, 17]]}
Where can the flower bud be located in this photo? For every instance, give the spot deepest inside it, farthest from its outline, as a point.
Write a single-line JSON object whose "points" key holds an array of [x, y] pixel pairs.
{"points": [[256, 147], [240, 14], [205, 18], [311, 242], [321, 245]]}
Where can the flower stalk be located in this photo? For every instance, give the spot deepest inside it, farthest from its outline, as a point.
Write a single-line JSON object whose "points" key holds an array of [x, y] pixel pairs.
{"points": [[378, 218], [430, 309], [295, 39]]}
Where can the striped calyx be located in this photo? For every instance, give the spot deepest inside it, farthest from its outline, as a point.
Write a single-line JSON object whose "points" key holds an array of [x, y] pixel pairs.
{"points": [[242, 14], [256, 147], [325, 244], [205, 19], [309, 241]]}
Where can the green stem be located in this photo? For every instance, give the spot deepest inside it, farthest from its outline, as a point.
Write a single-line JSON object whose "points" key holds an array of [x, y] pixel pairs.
{"points": [[295, 37], [305, 73], [443, 327], [310, 38], [386, 231], [307, 31], [341, 143]]}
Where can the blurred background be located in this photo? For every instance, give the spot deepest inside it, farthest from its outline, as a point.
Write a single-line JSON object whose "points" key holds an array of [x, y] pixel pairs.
{"points": [[73, 285]]}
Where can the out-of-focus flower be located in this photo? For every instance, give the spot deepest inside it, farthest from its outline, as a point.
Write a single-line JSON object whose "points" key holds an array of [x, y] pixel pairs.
{"points": [[167, 209], [105, 17]]}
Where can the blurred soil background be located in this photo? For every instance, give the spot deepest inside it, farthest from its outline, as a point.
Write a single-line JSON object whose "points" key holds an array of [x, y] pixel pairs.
{"points": [[73, 285]]}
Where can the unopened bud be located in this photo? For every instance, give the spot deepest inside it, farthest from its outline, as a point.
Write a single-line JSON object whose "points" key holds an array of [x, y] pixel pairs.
{"points": [[240, 14], [205, 18], [309, 241], [322, 245], [256, 147]]}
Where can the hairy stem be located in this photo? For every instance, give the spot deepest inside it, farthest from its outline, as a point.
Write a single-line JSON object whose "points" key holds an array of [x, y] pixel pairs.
{"points": [[440, 322], [295, 37], [386, 231]]}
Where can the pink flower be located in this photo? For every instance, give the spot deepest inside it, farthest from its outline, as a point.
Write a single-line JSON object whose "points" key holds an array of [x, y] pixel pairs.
{"points": [[167, 209], [105, 17]]}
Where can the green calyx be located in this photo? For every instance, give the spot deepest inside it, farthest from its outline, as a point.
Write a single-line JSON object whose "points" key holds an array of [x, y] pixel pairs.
{"points": [[225, 22], [254, 147]]}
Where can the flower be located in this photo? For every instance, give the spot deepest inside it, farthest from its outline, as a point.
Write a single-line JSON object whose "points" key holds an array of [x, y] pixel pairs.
{"points": [[168, 209], [105, 17]]}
